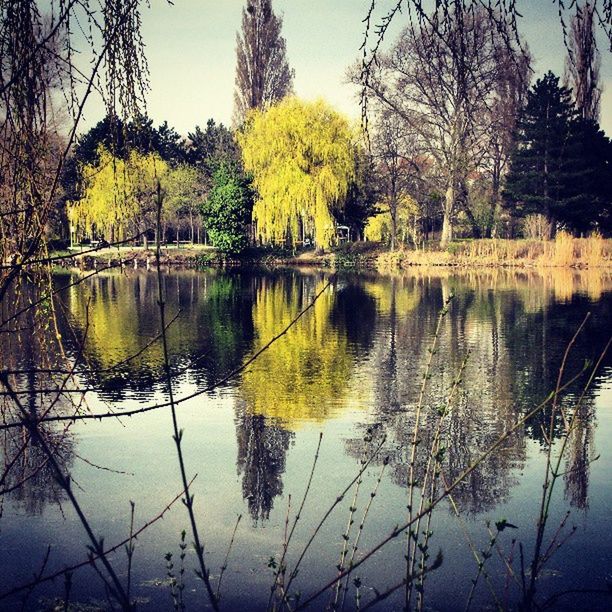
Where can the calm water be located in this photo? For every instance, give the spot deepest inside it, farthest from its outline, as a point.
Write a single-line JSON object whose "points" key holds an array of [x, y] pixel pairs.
{"points": [[351, 368]]}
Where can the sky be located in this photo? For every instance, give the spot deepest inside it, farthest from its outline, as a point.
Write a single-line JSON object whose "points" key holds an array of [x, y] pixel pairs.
{"points": [[191, 51]]}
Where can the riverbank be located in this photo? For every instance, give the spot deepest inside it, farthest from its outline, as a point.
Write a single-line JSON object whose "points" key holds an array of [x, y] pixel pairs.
{"points": [[563, 252]]}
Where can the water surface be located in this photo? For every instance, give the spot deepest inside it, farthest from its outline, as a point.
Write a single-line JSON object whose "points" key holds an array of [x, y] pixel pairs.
{"points": [[352, 369]]}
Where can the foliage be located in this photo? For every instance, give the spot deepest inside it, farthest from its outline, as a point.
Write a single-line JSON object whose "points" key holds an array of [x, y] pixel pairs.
{"points": [[117, 194], [379, 227], [210, 148], [362, 193], [263, 76], [183, 193], [301, 156], [227, 210]]}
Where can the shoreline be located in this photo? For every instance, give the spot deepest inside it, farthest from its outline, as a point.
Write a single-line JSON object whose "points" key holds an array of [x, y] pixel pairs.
{"points": [[576, 253]]}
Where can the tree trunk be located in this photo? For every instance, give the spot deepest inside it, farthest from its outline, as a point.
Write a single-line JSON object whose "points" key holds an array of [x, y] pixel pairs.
{"points": [[447, 222]]}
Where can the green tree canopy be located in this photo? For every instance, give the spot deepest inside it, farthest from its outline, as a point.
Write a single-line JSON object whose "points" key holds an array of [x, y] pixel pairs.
{"points": [[301, 156], [227, 210]]}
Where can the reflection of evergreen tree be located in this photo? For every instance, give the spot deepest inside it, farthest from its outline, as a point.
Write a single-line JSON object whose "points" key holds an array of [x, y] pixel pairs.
{"points": [[354, 313], [262, 449]]}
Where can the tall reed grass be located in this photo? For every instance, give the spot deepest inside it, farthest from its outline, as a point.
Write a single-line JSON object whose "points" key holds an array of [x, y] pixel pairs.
{"points": [[564, 251]]}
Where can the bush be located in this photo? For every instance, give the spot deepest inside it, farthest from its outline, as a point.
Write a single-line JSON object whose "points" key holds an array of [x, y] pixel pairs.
{"points": [[227, 210]]}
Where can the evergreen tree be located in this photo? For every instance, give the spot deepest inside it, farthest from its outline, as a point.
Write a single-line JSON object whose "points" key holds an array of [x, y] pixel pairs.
{"points": [[562, 164], [227, 210], [589, 194], [538, 177], [212, 147]]}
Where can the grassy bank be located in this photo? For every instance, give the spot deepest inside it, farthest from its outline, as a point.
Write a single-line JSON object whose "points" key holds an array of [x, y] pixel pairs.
{"points": [[563, 252]]}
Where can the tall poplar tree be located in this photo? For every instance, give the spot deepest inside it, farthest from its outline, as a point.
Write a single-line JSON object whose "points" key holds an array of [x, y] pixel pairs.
{"points": [[583, 63], [263, 75]]}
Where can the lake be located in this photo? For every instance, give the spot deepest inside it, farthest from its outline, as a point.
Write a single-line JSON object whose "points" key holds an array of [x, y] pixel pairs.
{"points": [[354, 369]]}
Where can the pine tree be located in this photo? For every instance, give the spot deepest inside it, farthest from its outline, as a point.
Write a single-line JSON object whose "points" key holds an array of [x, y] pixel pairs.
{"points": [[538, 177], [263, 75]]}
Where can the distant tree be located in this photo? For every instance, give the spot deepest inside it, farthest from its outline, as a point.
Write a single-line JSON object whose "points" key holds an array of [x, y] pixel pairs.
{"points": [[583, 62], [170, 145], [183, 198], [441, 80], [263, 76], [399, 226], [210, 148], [363, 193], [301, 157], [227, 210], [393, 149]]}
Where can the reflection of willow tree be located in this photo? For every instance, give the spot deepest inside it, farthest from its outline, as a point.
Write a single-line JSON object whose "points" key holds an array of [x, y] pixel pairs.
{"points": [[302, 376], [208, 337], [262, 450], [305, 373]]}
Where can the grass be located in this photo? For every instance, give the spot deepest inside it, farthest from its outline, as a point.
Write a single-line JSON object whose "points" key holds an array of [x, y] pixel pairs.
{"points": [[565, 251]]}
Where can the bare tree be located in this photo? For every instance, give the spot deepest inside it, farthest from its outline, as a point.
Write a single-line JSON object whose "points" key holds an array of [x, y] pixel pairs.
{"points": [[393, 148], [263, 75], [441, 80], [583, 62], [508, 97]]}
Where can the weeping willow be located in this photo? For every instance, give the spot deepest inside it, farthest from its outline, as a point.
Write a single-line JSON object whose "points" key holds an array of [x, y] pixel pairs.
{"points": [[301, 156], [117, 195], [311, 367]]}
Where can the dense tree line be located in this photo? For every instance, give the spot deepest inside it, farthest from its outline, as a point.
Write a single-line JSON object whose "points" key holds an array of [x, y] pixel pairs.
{"points": [[457, 145]]}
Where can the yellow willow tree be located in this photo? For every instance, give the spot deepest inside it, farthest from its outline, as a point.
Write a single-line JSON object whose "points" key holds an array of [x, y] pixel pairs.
{"points": [[118, 195], [302, 158]]}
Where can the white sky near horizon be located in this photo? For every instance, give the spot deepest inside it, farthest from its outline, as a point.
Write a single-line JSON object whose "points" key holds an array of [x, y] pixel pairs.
{"points": [[191, 51]]}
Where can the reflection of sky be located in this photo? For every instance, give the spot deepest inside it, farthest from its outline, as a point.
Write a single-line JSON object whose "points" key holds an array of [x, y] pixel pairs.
{"points": [[191, 53]]}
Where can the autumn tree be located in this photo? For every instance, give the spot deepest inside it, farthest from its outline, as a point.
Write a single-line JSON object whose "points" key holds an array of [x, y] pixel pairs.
{"points": [[301, 157], [263, 76], [583, 62]]}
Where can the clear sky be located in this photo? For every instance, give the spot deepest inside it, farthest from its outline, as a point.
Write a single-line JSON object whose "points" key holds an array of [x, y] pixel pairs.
{"points": [[191, 53]]}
